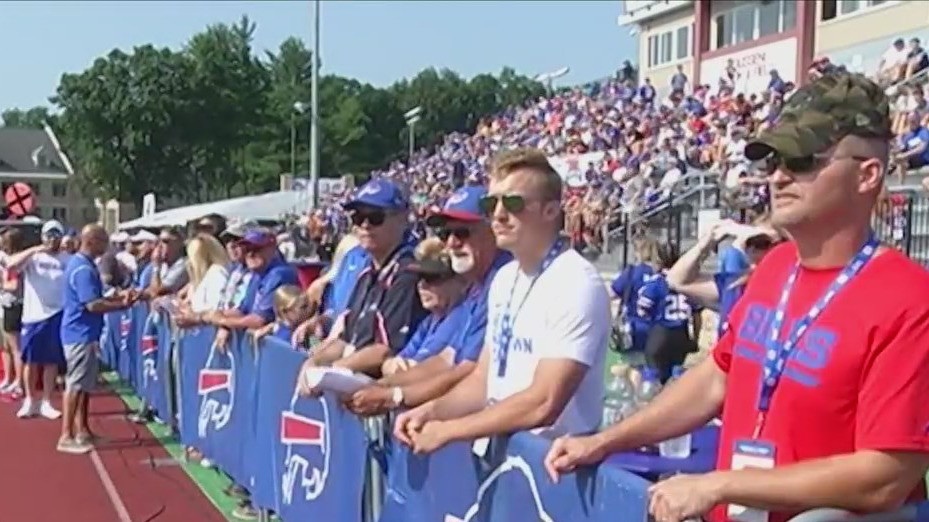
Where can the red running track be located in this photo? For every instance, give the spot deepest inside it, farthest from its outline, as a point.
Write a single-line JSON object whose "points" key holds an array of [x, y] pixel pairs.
{"points": [[116, 483]]}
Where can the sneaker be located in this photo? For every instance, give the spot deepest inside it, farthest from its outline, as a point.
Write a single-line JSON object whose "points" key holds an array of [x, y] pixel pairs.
{"points": [[245, 512], [89, 438], [6, 386], [141, 417], [48, 411], [74, 447], [28, 410], [206, 463]]}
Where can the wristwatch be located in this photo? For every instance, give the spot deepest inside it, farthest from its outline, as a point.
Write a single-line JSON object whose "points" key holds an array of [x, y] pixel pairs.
{"points": [[396, 396]]}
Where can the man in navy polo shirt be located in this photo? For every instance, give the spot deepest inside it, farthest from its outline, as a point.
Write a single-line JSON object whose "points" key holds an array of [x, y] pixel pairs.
{"points": [[384, 308], [81, 327], [462, 225]]}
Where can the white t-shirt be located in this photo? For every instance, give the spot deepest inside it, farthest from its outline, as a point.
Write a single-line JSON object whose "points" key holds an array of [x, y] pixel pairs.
{"points": [[566, 315], [893, 57], [43, 285], [208, 295]]}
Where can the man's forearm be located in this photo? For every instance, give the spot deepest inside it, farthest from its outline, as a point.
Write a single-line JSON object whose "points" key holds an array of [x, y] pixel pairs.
{"points": [[687, 267], [423, 370], [866, 481], [18, 259], [469, 396], [250, 321], [690, 403], [522, 411], [367, 360], [328, 351], [436, 385]]}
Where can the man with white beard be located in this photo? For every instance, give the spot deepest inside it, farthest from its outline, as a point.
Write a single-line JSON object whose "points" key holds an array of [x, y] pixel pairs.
{"points": [[43, 294], [474, 254]]}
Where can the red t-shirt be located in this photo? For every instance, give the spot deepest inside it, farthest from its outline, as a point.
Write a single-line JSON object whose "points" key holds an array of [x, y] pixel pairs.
{"points": [[857, 379]]}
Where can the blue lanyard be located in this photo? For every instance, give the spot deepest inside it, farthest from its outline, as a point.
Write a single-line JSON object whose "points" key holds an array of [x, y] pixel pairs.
{"points": [[505, 330], [777, 353]]}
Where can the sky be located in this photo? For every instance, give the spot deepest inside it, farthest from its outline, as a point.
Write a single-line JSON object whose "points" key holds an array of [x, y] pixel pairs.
{"points": [[375, 42]]}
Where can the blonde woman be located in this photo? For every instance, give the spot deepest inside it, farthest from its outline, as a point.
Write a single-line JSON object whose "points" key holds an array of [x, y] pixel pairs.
{"points": [[207, 268]]}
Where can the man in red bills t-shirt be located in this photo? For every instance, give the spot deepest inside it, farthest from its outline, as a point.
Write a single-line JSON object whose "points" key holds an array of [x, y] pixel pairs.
{"points": [[822, 377]]}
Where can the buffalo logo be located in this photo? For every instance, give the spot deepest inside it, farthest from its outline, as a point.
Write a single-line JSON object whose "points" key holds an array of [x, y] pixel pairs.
{"points": [[369, 190], [125, 328], [216, 388], [306, 455], [511, 463], [149, 345], [457, 198]]}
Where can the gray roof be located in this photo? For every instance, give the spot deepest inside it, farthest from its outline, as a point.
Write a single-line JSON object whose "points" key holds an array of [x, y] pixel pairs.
{"points": [[29, 151]]}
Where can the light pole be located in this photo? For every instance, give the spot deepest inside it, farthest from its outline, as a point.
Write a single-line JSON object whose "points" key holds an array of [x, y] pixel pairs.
{"points": [[412, 116], [314, 108], [548, 77], [299, 108]]}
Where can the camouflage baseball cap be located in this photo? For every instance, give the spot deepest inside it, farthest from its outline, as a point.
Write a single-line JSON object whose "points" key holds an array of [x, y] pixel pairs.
{"points": [[823, 112]]}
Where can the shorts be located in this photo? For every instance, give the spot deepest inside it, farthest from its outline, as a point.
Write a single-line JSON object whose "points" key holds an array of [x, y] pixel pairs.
{"points": [[667, 348], [83, 366], [13, 318], [41, 342]]}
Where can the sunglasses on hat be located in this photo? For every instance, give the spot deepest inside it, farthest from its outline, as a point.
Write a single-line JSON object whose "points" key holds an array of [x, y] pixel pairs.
{"points": [[512, 203], [375, 218]]}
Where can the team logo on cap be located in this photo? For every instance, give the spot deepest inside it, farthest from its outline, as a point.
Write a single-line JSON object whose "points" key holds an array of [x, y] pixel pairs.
{"points": [[369, 190], [457, 198], [306, 455]]}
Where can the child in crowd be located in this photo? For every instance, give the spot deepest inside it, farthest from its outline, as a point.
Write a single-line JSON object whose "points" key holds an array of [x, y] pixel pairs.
{"points": [[291, 308]]}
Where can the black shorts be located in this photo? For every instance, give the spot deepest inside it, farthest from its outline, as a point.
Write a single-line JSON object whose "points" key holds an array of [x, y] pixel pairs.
{"points": [[13, 318], [667, 348]]}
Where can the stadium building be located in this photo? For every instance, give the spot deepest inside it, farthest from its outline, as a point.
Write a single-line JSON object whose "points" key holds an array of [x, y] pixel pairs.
{"points": [[761, 35]]}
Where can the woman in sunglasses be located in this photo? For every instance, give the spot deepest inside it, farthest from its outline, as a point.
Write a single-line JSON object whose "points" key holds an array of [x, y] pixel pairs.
{"points": [[722, 290], [442, 293]]}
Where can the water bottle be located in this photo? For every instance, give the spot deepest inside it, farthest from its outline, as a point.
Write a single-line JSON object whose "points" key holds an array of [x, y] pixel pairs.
{"points": [[678, 447], [649, 388], [616, 404]]}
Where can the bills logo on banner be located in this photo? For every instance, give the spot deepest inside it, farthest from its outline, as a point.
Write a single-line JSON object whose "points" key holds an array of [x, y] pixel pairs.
{"points": [[512, 463], [149, 348], [306, 444], [125, 328], [216, 388]]}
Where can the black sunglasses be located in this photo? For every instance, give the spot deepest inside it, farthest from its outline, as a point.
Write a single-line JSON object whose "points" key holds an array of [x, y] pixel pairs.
{"points": [[806, 164], [512, 203], [375, 218], [461, 234]]}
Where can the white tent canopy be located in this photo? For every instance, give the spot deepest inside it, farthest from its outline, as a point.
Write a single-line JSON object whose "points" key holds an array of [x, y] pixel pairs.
{"points": [[270, 206]]}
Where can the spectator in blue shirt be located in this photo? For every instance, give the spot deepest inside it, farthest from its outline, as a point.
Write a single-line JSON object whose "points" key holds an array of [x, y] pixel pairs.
{"points": [[625, 288], [914, 147], [473, 253], [81, 328], [268, 271]]}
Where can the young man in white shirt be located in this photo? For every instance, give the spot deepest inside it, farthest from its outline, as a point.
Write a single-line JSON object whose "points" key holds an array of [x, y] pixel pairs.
{"points": [[42, 267], [547, 330]]}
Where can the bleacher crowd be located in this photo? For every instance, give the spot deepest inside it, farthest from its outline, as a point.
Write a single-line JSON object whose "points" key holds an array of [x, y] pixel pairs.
{"points": [[494, 323]]}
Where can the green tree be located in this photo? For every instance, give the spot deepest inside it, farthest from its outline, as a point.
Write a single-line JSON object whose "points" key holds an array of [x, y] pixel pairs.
{"points": [[34, 118], [123, 121]]}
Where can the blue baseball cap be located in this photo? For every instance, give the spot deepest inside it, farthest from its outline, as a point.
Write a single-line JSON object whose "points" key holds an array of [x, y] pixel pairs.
{"points": [[258, 238], [463, 205], [380, 193]]}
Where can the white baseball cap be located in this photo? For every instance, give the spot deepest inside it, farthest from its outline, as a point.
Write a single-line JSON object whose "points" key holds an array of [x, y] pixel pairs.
{"points": [[143, 235], [119, 237], [53, 226]]}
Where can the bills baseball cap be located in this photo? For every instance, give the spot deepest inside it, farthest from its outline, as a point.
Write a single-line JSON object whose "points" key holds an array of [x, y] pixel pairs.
{"points": [[380, 193], [238, 229], [258, 238], [143, 236], [463, 205], [818, 115]]}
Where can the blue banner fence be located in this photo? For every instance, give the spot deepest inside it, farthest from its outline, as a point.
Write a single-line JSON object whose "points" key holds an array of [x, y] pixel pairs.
{"points": [[308, 458]]}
